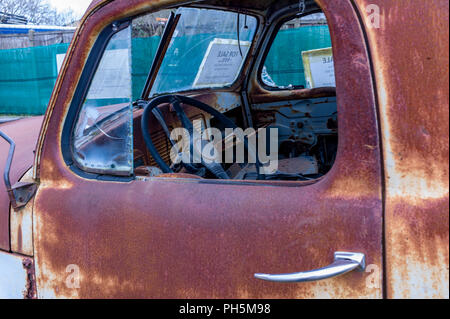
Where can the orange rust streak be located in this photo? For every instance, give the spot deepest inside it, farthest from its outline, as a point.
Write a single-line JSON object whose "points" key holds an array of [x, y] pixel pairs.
{"points": [[410, 54]]}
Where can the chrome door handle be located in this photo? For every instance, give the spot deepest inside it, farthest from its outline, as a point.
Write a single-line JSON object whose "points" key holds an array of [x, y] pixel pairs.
{"points": [[343, 263]]}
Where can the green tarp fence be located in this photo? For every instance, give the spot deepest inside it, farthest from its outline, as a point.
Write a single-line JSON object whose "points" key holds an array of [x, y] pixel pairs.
{"points": [[284, 61], [27, 76]]}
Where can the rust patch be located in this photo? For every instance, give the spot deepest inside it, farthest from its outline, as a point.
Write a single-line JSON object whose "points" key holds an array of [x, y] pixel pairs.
{"points": [[410, 53], [28, 265], [260, 95]]}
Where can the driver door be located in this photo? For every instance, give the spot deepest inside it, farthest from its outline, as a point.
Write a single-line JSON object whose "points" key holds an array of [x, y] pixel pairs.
{"points": [[185, 238]]}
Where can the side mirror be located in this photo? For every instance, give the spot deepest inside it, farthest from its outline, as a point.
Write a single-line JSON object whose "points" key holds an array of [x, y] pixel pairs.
{"points": [[21, 193]]}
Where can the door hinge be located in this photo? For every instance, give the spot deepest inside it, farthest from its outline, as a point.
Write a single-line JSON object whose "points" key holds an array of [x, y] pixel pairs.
{"points": [[21, 193]]}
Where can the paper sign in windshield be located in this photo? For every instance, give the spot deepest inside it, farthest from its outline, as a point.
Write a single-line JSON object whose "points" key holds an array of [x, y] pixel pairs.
{"points": [[319, 68], [221, 63]]}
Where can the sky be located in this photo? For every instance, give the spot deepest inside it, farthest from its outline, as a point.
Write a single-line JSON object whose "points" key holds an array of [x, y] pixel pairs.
{"points": [[78, 6]]}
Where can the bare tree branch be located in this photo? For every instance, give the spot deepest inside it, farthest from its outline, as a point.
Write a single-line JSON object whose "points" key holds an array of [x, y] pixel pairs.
{"points": [[37, 12]]}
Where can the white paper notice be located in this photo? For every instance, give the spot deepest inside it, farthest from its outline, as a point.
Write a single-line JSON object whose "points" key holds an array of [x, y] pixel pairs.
{"points": [[319, 68], [221, 63]]}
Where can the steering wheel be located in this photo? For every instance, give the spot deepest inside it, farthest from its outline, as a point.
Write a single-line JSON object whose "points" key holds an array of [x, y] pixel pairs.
{"points": [[215, 168]]}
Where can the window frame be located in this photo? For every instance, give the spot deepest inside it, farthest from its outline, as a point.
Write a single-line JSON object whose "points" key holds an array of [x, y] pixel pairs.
{"points": [[88, 73], [76, 105]]}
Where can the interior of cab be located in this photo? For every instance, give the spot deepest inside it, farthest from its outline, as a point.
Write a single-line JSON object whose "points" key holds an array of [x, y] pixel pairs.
{"points": [[212, 91]]}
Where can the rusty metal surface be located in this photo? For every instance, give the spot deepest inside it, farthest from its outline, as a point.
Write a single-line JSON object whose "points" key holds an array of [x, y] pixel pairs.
{"points": [[28, 265], [178, 175], [21, 224], [195, 239], [221, 101], [410, 54], [261, 95], [24, 132]]}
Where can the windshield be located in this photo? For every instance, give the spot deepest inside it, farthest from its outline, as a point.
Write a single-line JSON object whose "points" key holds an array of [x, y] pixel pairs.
{"points": [[207, 50]]}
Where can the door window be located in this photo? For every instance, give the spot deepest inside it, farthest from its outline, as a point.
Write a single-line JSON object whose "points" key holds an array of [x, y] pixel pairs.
{"points": [[300, 55]]}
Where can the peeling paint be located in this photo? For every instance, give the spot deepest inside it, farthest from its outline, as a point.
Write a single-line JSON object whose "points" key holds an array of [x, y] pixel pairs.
{"points": [[411, 65]]}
